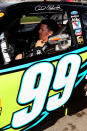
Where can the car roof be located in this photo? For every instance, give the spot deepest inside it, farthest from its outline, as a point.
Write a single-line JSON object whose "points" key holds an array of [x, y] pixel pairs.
{"points": [[14, 10], [10, 4], [32, 5]]}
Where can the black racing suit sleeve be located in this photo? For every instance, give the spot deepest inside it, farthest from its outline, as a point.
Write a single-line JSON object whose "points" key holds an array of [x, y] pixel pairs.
{"points": [[35, 51]]}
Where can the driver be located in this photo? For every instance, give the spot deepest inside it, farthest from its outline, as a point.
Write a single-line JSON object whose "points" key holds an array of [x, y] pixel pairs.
{"points": [[47, 28]]}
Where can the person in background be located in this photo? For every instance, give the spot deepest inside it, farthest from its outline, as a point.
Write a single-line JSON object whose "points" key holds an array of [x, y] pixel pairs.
{"points": [[47, 28]]}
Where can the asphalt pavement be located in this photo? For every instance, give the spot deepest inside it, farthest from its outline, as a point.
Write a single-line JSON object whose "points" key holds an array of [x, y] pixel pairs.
{"points": [[76, 120]]}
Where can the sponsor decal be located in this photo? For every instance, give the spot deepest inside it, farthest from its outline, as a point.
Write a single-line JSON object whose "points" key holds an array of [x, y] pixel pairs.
{"points": [[80, 40], [74, 12], [74, 16], [30, 94], [76, 25], [78, 32], [75, 19]]}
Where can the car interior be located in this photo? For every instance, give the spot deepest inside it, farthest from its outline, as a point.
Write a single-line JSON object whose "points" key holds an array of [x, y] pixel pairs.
{"points": [[24, 30]]}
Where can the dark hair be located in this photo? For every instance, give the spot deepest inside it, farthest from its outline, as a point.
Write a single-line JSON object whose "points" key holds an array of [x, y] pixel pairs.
{"points": [[51, 24]]}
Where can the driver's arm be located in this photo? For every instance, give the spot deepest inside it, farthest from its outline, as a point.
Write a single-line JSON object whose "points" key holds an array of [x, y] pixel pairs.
{"points": [[39, 43]]}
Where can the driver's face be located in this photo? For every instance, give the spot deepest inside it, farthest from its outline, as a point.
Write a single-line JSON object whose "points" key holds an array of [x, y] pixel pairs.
{"points": [[43, 33]]}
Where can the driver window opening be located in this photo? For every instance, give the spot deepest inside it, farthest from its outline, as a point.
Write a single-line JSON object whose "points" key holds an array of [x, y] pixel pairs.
{"points": [[30, 36]]}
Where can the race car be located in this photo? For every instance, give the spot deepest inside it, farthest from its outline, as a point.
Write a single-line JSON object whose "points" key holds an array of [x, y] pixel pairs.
{"points": [[35, 86]]}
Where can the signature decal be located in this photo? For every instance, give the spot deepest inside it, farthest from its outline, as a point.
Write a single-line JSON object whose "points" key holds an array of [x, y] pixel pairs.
{"points": [[48, 7]]}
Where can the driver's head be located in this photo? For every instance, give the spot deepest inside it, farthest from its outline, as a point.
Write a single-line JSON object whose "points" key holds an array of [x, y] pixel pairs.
{"points": [[47, 28]]}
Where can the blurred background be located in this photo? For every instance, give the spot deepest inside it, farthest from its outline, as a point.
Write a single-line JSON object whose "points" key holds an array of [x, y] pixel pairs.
{"points": [[83, 1]]}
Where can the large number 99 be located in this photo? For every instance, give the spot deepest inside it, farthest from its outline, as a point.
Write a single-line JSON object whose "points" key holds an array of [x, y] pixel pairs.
{"points": [[65, 76]]}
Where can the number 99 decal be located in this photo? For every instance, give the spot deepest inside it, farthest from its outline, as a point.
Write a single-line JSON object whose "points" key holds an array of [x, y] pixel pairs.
{"points": [[37, 92]]}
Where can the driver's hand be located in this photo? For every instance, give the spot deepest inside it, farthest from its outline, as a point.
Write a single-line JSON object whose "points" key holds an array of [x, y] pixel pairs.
{"points": [[18, 57], [39, 43]]}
